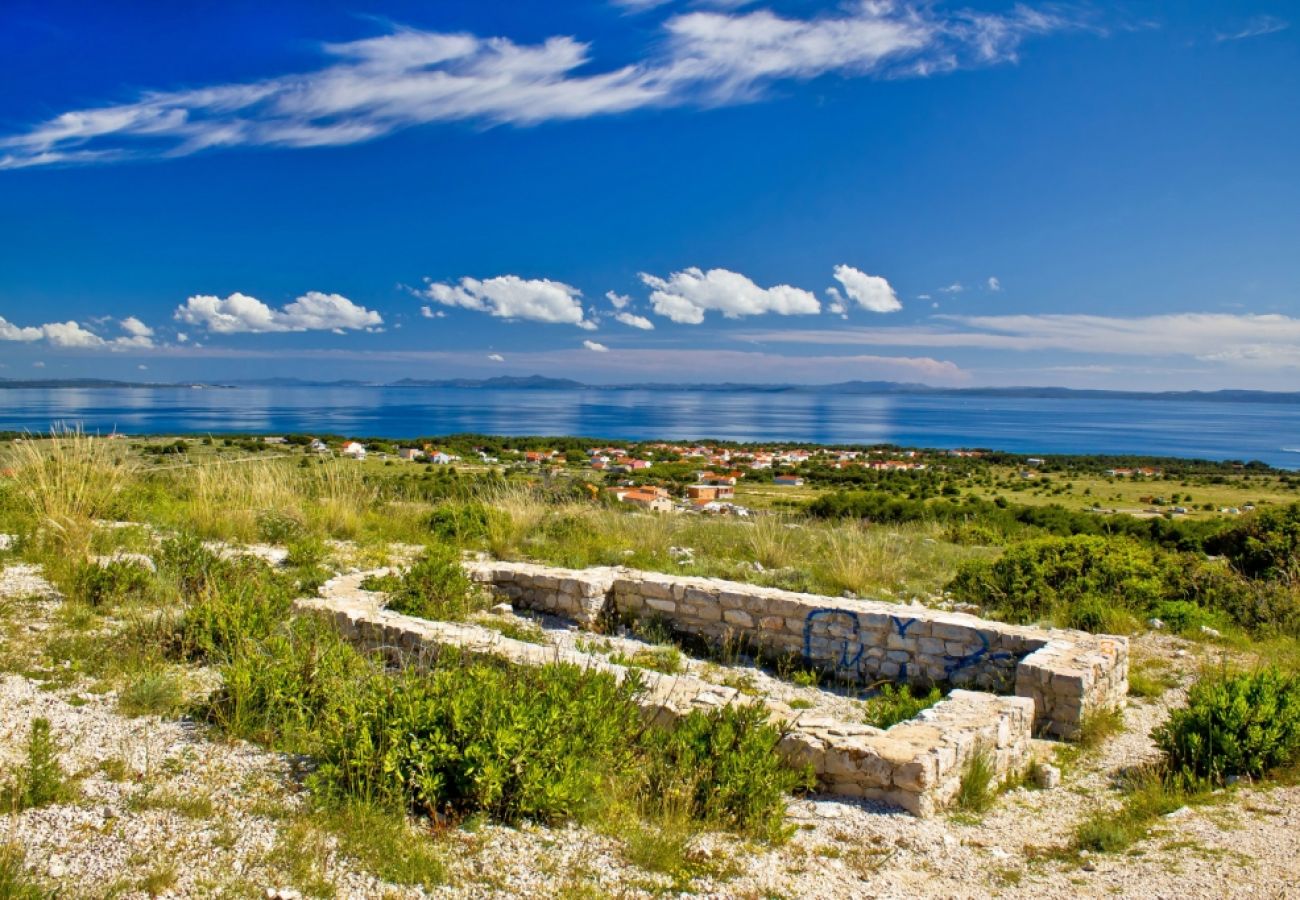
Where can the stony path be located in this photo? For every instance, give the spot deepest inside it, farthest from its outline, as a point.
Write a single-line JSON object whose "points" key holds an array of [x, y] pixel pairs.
{"points": [[163, 808]]}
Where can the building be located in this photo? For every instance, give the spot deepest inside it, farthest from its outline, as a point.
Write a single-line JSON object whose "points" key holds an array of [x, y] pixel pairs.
{"points": [[354, 450], [788, 481], [410, 454], [655, 499], [710, 492]]}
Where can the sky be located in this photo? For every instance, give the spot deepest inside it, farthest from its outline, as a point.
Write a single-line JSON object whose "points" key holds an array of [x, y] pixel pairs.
{"points": [[1088, 195]]}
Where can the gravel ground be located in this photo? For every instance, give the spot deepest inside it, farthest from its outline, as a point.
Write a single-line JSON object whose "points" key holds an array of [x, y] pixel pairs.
{"points": [[167, 808]]}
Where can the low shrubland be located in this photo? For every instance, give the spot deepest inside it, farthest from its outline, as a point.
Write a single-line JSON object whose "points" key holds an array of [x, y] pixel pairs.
{"points": [[1113, 584], [898, 703]]}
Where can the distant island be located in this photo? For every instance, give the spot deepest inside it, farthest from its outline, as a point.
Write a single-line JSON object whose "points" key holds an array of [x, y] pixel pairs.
{"points": [[543, 383]]}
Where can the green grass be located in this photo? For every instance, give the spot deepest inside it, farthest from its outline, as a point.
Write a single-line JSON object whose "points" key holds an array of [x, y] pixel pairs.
{"points": [[898, 703], [15, 883], [158, 693], [978, 778], [665, 659], [1147, 796]]}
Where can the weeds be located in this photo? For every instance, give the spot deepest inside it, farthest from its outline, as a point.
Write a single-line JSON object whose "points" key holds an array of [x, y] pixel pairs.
{"points": [[898, 703], [152, 693], [15, 883], [977, 780], [41, 780]]}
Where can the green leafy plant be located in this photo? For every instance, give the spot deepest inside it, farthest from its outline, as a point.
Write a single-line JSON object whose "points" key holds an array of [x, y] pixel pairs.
{"points": [[898, 702], [1235, 724], [40, 781], [111, 582], [436, 587]]}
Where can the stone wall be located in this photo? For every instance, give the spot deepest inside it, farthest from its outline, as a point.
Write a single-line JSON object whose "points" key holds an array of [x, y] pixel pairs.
{"points": [[916, 765], [1067, 674]]}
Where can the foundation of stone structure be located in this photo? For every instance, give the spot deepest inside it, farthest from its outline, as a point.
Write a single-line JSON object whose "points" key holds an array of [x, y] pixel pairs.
{"points": [[916, 765], [1068, 675]]}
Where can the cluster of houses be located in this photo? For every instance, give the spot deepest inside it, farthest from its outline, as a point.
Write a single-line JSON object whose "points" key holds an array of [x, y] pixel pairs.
{"points": [[1143, 471]]}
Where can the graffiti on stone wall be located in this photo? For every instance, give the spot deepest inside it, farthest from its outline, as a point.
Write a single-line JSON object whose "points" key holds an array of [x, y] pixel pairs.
{"points": [[844, 631]]}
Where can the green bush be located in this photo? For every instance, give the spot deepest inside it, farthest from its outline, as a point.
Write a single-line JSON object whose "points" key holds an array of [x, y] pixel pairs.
{"points": [[1111, 583], [897, 703], [436, 587], [111, 583], [1043, 578], [1263, 545], [1235, 723], [516, 744], [279, 526], [725, 764], [462, 523]]}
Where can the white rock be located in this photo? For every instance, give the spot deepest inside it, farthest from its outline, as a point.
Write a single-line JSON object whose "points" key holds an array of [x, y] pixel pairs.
{"points": [[1155, 624]]}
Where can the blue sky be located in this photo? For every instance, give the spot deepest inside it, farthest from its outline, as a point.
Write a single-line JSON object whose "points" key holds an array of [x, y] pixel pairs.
{"points": [[967, 194]]}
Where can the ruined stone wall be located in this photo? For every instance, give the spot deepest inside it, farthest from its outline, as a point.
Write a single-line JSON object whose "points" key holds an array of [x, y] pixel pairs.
{"points": [[1067, 674], [916, 765]]}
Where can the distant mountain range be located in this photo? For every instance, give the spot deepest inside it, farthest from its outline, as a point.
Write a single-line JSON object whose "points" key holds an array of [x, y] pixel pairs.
{"points": [[542, 383]]}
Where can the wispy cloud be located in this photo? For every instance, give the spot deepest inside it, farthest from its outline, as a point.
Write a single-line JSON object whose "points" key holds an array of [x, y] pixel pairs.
{"points": [[373, 87], [1255, 27], [1265, 341]]}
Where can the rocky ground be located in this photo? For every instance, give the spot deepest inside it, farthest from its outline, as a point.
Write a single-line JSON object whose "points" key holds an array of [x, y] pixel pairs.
{"points": [[167, 808]]}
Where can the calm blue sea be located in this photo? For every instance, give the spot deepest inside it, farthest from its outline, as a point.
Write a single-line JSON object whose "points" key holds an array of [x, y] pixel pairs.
{"points": [[1215, 430]]}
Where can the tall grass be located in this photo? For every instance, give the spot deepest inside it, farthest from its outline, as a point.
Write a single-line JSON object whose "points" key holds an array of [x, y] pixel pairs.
{"points": [[65, 481]]}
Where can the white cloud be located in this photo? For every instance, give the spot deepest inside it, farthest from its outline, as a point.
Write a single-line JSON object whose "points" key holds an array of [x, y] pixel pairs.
{"points": [[366, 89], [1271, 340], [38, 365], [135, 328], [1256, 27], [74, 335], [242, 314], [182, 337], [955, 288], [634, 321], [142, 367], [512, 297], [616, 300], [595, 347], [994, 284], [496, 357], [685, 296], [11, 332], [871, 292]]}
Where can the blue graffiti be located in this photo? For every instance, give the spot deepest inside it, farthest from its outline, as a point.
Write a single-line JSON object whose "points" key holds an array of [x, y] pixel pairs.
{"points": [[902, 625], [845, 661], [957, 663]]}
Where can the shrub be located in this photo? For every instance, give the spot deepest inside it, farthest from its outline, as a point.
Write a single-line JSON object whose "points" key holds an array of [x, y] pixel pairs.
{"points": [[898, 703], [725, 764], [1264, 545], [111, 583], [279, 526], [1235, 723], [188, 562], [1044, 577], [436, 587], [513, 743], [462, 523]]}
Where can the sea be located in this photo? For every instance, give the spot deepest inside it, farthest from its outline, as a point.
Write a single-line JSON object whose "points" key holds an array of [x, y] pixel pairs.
{"points": [[1220, 430]]}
